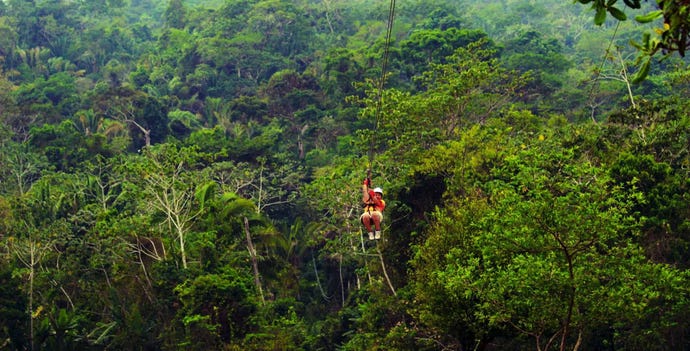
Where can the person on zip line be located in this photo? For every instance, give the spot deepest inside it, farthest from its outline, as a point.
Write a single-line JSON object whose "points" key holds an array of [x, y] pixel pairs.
{"points": [[373, 209]]}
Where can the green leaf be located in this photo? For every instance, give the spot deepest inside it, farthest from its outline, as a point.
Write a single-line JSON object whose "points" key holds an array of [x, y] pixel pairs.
{"points": [[600, 17], [643, 72], [636, 45], [634, 4], [649, 17], [645, 45], [205, 192], [617, 14], [104, 332]]}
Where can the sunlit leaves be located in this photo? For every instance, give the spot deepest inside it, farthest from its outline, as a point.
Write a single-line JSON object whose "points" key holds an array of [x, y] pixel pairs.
{"points": [[651, 16], [672, 34], [547, 248], [471, 87]]}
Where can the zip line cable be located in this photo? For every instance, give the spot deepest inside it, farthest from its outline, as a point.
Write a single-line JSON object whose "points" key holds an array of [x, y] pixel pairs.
{"points": [[384, 67]]}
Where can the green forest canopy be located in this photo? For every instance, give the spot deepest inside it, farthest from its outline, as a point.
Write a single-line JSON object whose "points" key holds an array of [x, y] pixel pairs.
{"points": [[186, 175]]}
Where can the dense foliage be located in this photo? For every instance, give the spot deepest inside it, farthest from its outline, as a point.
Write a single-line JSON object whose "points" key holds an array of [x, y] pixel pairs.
{"points": [[186, 175]]}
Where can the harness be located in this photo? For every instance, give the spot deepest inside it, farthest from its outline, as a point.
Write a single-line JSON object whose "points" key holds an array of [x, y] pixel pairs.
{"points": [[370, 206]]}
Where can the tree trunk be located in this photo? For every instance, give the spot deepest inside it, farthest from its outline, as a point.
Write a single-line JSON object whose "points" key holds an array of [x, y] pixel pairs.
{"points": [[385, 273], [255, 262], [32, 261], [183, 252]]}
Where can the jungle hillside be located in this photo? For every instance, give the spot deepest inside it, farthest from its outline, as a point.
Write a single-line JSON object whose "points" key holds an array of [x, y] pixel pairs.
{"points": [[188, 175]]}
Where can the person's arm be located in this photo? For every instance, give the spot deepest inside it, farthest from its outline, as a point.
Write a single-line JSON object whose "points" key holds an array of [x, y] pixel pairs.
{"points": [[372, 197], [366, 193]]}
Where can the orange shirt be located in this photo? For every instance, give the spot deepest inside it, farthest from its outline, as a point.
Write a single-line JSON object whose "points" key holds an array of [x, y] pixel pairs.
{"points": [[374, 203]]}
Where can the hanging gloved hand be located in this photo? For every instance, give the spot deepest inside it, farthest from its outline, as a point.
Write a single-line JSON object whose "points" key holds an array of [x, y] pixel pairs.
{"points": [[367, 182]]}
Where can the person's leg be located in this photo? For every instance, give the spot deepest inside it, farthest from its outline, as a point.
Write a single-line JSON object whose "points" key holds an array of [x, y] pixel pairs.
{"points": [[377, 217], [366, 219]]}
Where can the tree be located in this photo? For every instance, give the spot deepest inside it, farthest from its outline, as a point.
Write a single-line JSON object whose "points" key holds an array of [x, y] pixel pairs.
{"points": [[530, 53], [434, 46], [102, 184], [175, 14], [21, 167], [31, 247], [655, 166], [8, 42], [673, 33], [182, 123], [216, 309], [295, 101], [235, 209], [166, 174], [544, 250], [13, 323], [65, 147], [340, 70], [469, 89], [30, 253], [49, 98], [282, 27], [345, 253], [144, 114]]}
